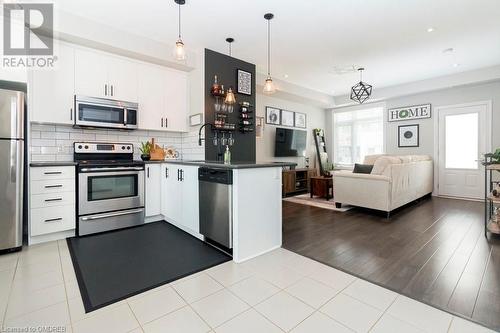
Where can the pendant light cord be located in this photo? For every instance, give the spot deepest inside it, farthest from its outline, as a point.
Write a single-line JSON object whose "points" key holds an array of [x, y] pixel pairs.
{"points": [[268, 47], [179, 21]]}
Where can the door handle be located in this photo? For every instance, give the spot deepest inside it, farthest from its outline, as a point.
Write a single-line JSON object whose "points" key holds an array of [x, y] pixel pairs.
{"points": [[105, 216]]}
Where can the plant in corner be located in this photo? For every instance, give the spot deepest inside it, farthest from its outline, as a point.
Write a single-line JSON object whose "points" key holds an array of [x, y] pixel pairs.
{"points": [[494, 158], [145, 150]]}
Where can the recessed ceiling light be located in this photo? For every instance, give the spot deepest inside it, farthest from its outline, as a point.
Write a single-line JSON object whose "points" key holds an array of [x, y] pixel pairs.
{"points": [[448, 50], [285, 76], [456, 64], [430, 29]]}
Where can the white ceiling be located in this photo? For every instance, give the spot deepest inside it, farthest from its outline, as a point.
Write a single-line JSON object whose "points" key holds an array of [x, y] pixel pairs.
{"points": [[310, 38]]}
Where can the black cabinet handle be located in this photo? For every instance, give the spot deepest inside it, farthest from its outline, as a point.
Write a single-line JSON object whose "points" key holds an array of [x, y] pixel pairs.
{"points": [[53, 186], [182, 175], [54, 220], [178, 174], [53, 173], [147, 171], [166, 172], [56, 199]]}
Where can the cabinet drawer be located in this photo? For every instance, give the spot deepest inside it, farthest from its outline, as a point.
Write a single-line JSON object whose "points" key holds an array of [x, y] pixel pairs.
{"points": [[52, 199], [49, 220], [52, 186], [44, 173]]}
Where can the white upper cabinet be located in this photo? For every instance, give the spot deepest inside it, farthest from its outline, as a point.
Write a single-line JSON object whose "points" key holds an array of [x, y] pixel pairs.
{"points": [[98, 74], [122, 78], [91, 74], [176, 100], [52, 90], [151, 97], [163, 102]]}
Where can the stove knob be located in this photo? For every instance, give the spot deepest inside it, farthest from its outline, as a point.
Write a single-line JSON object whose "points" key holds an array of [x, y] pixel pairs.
{"points": [[123, 147], [128, 147], [80, 146], [86, 147]]}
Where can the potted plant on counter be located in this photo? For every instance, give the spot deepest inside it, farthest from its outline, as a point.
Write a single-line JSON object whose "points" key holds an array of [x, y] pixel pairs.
{"points": [[145, 151]]}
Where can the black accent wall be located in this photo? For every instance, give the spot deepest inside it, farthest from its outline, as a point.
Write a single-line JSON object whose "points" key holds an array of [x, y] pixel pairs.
{"points": [[225, 67]]}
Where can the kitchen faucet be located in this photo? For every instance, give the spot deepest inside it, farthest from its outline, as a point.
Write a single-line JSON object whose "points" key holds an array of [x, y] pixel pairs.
{"points": [[200, 139]]}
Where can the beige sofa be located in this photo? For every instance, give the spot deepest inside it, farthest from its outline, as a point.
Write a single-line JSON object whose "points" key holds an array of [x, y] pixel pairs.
{"points": [[394, 182]]}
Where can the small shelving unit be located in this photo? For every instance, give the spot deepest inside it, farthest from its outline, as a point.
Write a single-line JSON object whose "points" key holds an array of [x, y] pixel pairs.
{"points": [[491, 202]]}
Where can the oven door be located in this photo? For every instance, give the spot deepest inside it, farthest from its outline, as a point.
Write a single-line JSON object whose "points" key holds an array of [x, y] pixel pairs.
{"points": [[110, 189], [99, 115]]}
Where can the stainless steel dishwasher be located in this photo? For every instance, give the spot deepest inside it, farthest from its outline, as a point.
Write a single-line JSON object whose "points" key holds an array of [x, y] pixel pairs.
{"points": [[216, 205]]}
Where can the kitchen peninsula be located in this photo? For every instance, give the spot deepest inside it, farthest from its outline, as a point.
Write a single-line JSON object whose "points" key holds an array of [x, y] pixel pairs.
{"points": [[250, 202]]}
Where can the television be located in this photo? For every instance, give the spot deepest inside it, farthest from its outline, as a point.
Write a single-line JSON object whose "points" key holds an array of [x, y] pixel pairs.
{"points": [[290, 143]]}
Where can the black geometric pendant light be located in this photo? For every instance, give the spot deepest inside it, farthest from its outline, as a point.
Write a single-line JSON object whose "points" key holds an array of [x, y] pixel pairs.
{"points": [[361, 91]]}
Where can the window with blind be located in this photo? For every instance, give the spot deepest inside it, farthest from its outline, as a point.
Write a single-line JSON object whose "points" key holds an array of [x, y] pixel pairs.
{"points": [[357, 134]]}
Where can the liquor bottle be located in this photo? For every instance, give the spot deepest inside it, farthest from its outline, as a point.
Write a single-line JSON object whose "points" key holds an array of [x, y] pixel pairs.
{"points": [[216, 88]]}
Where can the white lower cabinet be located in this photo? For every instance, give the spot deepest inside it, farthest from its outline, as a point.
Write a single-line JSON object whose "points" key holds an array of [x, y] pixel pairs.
{"points": [[52, 202], [152, 190], [179, 195]]}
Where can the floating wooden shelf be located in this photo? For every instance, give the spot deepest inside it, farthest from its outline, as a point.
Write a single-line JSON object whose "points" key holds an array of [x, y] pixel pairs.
{"points": [[493, 167]]}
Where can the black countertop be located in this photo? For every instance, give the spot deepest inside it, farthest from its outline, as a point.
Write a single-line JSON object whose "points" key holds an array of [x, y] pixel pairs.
{"points": [[234, 165], [52, 163]]}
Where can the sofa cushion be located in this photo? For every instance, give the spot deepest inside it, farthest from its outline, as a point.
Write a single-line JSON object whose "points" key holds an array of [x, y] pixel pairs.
{"points": [[362, 168], [370, 159], [383, 162]]}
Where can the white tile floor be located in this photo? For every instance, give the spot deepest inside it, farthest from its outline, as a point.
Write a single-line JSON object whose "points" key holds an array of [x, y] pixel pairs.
{"points": [[277, 292]]}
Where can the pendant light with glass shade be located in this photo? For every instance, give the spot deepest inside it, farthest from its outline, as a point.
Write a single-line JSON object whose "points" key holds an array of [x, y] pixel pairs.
{"points": [[230, 99], [179, 50], [269, 87]]}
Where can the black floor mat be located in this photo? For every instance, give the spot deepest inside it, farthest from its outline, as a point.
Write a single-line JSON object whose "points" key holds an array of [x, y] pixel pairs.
{"points": [[115, 265]]}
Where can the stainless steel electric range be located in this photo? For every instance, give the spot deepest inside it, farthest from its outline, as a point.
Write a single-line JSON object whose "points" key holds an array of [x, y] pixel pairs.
{"points": [[110, 187]]}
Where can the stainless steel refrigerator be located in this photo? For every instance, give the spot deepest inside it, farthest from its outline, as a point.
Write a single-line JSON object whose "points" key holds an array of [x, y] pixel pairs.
{"points": [[11, 168]]}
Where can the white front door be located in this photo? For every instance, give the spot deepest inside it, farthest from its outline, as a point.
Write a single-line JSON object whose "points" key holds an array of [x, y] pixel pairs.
{"points": [[463, 138]]}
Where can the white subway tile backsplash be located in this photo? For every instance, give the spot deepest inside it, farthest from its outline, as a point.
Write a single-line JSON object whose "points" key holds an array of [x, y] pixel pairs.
{"points": [[42, 127], [42, 142], [55, 142]]}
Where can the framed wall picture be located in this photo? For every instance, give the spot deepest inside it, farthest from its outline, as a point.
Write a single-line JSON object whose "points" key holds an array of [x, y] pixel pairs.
{"points": [[408, 136], [244, 82], [273, 116], [287, 118], [300, 120]]}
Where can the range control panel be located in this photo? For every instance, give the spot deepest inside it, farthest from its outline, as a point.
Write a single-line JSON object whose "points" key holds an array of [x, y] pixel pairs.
{"points": [[107, 148]]}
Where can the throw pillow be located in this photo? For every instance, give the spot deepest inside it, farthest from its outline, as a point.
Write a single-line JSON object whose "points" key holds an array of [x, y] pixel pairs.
{"points": [[362, 168]]}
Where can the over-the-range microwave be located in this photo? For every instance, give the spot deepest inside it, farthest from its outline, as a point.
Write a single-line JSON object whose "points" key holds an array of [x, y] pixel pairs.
{"points": [[107, 113]]}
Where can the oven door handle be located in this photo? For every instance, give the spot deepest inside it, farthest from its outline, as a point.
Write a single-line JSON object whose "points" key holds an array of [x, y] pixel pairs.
{"points": [[105, 216], [112, 169]]}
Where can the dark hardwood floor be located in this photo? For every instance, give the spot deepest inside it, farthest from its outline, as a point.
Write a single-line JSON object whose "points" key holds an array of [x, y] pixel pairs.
{"points": [[433, 251]]}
